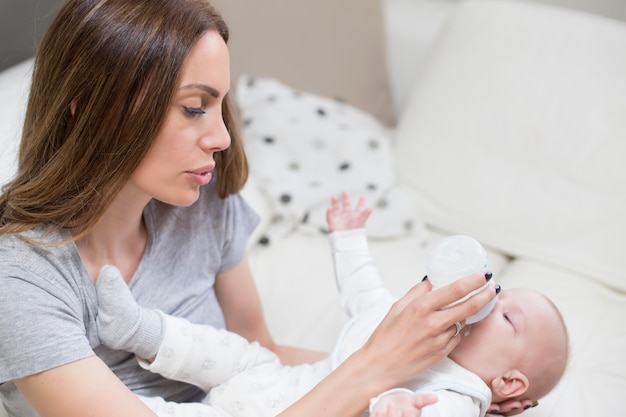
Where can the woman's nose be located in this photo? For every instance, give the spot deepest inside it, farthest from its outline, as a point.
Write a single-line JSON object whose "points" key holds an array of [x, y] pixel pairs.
{"points": [[215, 139]]}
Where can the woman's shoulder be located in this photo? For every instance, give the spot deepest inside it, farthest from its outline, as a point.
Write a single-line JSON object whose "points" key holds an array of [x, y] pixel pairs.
{"points": [[37, 240], [35, 253]]}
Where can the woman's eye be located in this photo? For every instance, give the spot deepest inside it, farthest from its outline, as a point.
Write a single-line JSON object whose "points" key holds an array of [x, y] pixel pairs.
{"points": [[194, 111]]}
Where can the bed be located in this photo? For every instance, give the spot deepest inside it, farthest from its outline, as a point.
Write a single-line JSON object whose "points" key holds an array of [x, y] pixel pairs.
{"points": [[499, 119]]}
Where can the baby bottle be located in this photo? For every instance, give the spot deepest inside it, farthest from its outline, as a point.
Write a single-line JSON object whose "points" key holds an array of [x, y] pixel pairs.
{"points": [[456, 257]]}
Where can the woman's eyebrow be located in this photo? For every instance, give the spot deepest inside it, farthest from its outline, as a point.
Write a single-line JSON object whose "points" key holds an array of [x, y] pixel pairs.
{"points": [[210, 90]]}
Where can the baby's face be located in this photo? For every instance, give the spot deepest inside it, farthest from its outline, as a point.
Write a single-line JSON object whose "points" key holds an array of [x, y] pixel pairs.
{"points": [[522, 331]]}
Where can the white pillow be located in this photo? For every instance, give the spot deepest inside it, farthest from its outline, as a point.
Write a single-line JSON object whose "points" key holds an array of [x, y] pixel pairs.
{"points": [[304, 148], [14, 89], [515, 133]]}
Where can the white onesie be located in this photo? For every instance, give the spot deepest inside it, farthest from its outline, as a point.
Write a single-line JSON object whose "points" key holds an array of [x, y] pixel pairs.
{"points": [[244, 379]]}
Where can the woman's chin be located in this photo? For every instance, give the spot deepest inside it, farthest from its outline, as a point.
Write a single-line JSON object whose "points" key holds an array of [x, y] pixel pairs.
{"points": [[181, 200]]}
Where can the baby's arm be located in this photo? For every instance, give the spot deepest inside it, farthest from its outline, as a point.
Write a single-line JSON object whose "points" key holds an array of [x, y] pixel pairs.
{"points": [[401, 402], [358, 281], [197, 354]]}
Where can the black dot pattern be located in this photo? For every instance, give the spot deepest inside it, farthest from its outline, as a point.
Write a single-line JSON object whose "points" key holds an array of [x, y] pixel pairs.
{"points": [[303, 148]]}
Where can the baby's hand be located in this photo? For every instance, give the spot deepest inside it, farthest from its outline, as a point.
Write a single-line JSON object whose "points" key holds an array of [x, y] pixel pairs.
{"points": [[401, 402], [122, 324], [344, 218]]}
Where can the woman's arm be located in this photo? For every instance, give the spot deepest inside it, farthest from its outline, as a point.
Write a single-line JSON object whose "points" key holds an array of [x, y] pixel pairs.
{"points": [[83, 388], [416, 333], [240, 302]]}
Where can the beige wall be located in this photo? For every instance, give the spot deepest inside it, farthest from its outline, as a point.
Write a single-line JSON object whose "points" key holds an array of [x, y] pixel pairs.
{"points": [[22, 22], [329, 47], [333, 48]]}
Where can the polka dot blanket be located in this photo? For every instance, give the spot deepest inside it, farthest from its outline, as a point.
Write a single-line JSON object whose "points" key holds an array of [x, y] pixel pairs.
{"points": [[303, 148]]}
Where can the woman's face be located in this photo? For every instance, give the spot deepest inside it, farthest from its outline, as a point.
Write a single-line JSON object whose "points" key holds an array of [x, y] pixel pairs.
{"points": [[182, 156]]}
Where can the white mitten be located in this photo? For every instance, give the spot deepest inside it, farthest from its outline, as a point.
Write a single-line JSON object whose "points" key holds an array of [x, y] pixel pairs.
{"points": [[122, 323]]}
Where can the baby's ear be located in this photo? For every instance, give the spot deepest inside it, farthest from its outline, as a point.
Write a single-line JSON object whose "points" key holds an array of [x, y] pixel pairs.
{"points": [[512, 384]]}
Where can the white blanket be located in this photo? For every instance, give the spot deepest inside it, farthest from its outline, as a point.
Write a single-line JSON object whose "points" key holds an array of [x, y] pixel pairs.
{"points": [[304, 148]]}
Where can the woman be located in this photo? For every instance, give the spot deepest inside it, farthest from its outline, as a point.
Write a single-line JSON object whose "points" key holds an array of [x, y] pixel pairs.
{"points": [[130, 156]]}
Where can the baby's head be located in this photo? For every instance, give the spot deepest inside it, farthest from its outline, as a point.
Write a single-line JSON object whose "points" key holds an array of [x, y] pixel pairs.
{"points": [[520, 349]]}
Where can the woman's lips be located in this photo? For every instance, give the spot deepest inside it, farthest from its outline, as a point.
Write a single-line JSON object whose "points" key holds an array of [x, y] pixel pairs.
{"points": [[201, 176]]}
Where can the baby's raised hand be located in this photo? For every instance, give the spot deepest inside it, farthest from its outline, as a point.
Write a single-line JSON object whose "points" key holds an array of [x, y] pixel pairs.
{"points": [[122, 323], [342, 217], [401, 402]]}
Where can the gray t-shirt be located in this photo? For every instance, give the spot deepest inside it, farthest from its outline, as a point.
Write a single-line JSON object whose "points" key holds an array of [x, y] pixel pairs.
{"points": [[48, 302]]}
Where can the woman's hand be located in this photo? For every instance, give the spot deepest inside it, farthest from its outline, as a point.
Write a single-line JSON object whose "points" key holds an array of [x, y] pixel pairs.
{"points": [[511, 407], [419, 330]]}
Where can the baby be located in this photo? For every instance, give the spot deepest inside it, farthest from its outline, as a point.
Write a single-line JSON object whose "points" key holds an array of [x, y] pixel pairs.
{"points": [[519, 351]]}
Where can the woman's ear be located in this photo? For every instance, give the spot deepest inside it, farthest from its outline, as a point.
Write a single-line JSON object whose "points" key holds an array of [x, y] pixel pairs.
{"points": [[512, 384]]}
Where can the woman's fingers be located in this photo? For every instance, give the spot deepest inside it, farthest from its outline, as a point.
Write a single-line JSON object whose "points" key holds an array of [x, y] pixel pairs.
{"points": [[458, 290], [415, 293], [467, 297], [472, 305], [419, 329], [511, 407]]}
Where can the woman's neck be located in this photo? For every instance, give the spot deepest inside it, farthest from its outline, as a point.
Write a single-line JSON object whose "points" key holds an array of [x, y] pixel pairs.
{"points": [[119, 238]]}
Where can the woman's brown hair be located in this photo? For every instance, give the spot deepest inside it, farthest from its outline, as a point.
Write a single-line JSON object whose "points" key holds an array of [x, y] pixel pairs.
{"points": [[103, 80]]}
